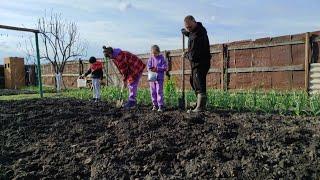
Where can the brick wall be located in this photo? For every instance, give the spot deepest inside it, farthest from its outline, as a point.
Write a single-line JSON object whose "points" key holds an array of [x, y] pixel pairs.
{"points": [[2, 76]]}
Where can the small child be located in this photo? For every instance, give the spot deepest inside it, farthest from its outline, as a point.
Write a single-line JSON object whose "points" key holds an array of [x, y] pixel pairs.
{"points": [[158, 64], [96, 71]]}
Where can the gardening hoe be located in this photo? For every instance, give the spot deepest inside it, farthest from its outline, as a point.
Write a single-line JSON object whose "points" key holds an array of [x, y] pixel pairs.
{"points": [[182, 99], [119, 103]]}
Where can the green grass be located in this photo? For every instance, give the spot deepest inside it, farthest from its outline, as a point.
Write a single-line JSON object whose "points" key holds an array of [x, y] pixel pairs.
{"points": [[27, 96], [36, 89], [30, 92], [296, 103]]}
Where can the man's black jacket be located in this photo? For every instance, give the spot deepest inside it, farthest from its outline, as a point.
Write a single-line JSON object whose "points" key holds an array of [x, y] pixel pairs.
{"points": [[198, 46]]}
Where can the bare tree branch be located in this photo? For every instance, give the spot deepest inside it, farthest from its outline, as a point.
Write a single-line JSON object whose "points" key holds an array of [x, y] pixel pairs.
{"points": [[61, 41]]}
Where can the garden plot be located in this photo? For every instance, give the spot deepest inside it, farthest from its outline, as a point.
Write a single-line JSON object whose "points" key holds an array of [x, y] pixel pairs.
{"points": [[75, 139]]}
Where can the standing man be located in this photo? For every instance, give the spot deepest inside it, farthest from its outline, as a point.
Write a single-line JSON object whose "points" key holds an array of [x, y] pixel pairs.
{"points": [[199, 56], [131, 68]]}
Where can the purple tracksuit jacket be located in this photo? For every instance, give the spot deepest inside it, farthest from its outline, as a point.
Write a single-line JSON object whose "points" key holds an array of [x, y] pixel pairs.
{"points": [[156, 88]]}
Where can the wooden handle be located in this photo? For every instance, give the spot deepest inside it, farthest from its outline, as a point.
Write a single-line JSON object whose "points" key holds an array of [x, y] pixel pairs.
{"points": [[183, 43], [183, 64]]}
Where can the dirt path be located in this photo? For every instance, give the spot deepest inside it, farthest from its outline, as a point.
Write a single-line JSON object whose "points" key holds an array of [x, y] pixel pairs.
{"points": [[73, 139]]}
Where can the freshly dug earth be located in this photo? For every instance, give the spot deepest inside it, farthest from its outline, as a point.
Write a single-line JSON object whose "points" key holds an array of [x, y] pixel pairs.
{"points": [[73, 139]]}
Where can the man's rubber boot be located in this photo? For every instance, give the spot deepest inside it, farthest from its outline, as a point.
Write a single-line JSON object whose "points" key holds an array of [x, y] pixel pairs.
{"points": [[201, 104], [193, 104]]}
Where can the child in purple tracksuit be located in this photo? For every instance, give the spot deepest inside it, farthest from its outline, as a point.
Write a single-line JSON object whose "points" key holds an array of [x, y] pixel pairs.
{"points": [[158, 64]]}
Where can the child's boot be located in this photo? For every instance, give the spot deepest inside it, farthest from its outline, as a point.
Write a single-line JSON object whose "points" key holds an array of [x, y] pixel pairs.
{"points": [[154, 108], [94, 99], [130, 104], [161, 109]]}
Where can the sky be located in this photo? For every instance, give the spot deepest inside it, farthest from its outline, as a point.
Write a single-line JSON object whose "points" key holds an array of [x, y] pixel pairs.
{"points": [[135, 25]]}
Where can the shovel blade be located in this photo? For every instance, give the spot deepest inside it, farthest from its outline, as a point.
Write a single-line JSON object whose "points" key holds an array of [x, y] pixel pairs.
{"points": [[182, 103]]}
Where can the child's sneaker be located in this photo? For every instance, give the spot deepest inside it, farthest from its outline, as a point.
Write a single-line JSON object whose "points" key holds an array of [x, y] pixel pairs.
{"points": [[161, 109], [154, 108], [93, 99], [130, 104]]}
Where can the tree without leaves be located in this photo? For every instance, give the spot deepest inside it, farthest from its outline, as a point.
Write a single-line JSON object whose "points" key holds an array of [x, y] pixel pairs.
{"points": [[28, 49], [61, 41]]}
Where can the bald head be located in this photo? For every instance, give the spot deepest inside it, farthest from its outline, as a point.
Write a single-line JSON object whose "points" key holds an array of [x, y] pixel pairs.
{"points": [[190, 23], [189, 18]]}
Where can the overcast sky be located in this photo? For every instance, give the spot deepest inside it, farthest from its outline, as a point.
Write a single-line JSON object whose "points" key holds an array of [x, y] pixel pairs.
{"points": [[135, 25]]}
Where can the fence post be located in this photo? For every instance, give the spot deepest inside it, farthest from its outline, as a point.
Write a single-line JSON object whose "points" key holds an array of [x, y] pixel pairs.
{"points": [[307, 61], [167, 55], [224, 68], [107, 72]]}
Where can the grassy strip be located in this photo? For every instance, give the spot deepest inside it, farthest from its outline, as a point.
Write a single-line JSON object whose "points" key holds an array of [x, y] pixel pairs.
{"points": [[296, 103], [29, 96], [35, 89], [293, 103]]}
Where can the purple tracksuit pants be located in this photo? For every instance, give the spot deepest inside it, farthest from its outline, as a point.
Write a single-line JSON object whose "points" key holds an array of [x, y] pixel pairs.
{"points": [[156, 90], [133, 88]]}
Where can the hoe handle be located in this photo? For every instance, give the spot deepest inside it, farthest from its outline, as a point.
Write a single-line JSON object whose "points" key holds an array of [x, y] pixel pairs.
{"points": [[183, 64]]}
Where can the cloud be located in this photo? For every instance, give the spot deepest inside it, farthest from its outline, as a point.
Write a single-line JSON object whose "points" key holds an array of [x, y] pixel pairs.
{"points": [[4, 47], [135, 25], [124, 6], [9, 44], [218, 4], [117, 35], [9, 16], [214, 3]]}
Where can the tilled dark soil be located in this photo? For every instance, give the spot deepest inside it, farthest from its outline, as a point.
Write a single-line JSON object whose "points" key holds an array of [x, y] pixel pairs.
{"points": [[6, 92], [73, 139]]}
